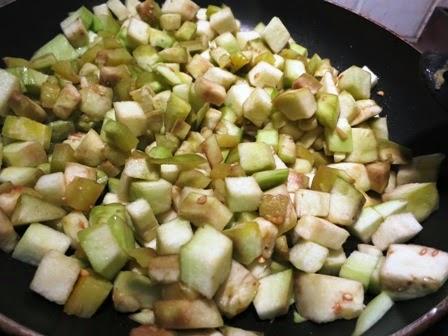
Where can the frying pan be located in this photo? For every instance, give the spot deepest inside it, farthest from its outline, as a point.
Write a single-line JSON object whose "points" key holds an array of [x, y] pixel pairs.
{"points": [[415, 119]]}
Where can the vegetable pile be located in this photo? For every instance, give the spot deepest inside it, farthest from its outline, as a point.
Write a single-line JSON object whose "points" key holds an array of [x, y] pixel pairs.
{"points": [[190, 169]]}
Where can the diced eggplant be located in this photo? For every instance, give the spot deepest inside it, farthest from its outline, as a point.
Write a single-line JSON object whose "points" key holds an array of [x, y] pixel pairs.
{"points": [[223, 21], [296, 104], [276, 35], [307, 256], [278, 209], [337, 298], [10, 84], [367, 224], [89, 293], [274, 295], [243, 194], [237, 292], [357, 171], [378, 174], [24, 154], [258, 107], [412, 271], [373, 312], [172, 235], [8, 236], [422, 198], [52, 187], [208, 247], [389, 208], [186, 8], [247, 241], [30, 209], [142, 215], [334, 262], [356, 81], [156, 193], [312, 203], [202, 210], [184, 314], [345, 203], [103, 250], [55, 277], [398, 228], [269, 233], [321, 231], [133, 291], [365, 146], [359, 266], [72, 224], [21, 128]]}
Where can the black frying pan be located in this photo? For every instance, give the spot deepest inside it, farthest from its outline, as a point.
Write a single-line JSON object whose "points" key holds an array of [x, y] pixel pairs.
{"points": [[415, 119]]}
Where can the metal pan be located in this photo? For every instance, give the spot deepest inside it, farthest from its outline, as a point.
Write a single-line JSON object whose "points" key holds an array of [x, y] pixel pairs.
{"points": [[415, 119]]}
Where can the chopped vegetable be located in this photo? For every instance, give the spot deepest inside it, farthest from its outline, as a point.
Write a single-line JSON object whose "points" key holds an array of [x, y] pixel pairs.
{"points": [[196, 169]]}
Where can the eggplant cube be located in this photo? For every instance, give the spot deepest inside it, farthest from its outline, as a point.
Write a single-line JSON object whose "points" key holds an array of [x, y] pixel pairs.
{"points": [[321, 231], [367, 223], [265, 75], [276, 35], [396, 229], [237, 293], [346, 203], [205, 261], [133, 291], [243, 193], [164, 269], [323, 298], [187, 314], [356, 81], [8, 84], [308, 256], [359, 266], [172, 235], [131, 114], [422, 198], [257, 108], [203, 210], [296, 104], [55, 277], [389, 208], [312, 203], [412, 271], [247, 241], [255, 156], [274, 295], [365, 146], [143, 218], [88, 294], [138, 31], [8, 236], [37, 241], [223, 21], [186, 8], [334, 262], [103, 250], [156, 193]]}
